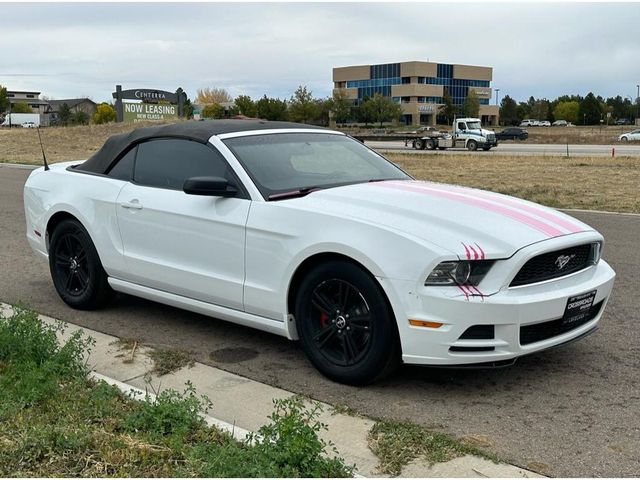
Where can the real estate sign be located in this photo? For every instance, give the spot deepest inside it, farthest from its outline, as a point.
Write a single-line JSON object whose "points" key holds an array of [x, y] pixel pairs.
{"points": [[138, 112]]}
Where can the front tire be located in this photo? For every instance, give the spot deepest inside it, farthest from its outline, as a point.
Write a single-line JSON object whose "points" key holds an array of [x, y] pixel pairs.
{"points": [[346, 327], [76, 269], [472, 145]]}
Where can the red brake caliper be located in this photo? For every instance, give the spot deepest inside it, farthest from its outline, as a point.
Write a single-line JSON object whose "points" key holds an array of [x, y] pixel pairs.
{"points": [[323, 318]]}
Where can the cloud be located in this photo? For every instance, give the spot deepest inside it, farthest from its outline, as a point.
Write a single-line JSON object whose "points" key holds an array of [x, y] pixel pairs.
{"points": [[544, 49]]}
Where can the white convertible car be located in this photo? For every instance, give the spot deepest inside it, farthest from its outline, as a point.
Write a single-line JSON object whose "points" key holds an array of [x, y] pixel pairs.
{"points": [[305, 232]]}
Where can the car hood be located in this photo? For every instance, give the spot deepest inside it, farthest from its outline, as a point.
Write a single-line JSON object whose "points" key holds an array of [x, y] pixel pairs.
{"points": [[471, 223]]}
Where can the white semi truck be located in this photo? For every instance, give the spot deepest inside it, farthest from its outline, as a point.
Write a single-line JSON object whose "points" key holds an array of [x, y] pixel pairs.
{"points": [[466, 133], [29, 120]]}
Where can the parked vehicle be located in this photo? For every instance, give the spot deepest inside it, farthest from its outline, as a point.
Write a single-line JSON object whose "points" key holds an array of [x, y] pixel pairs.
{"points": [[467, 133], [28, 125], [623, 121], [544, 123], [512, 133], [307, 233], [560, 123], [19, 119], [630, 136], [530, 123]]}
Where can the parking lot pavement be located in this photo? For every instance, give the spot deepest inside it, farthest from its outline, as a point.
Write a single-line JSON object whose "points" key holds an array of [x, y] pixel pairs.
{"points": [[573, 411]]}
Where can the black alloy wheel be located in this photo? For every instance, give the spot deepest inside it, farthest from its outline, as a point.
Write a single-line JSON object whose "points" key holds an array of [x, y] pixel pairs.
{"points": [[75, 267], [345, 326]]}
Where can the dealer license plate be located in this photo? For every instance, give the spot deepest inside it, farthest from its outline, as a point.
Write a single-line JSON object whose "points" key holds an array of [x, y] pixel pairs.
{"points": [[578, 307]]}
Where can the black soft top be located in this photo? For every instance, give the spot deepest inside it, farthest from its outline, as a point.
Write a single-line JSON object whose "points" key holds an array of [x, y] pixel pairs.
{"points": [[199, 131]]}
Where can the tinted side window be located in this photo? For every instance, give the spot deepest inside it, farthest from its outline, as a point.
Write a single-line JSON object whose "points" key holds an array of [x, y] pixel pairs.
{"points": [[167, 163], [123, 169]]}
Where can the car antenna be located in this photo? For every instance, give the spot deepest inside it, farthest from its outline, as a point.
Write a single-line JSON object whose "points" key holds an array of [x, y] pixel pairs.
{"points": [[44, 157]]}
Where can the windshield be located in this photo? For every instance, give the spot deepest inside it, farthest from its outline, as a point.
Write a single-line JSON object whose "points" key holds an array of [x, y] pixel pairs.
{"points": [[285, 162], [474, 125]]}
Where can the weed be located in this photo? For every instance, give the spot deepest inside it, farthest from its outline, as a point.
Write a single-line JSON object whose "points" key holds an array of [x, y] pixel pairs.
{"points": [[397, 443], [55, 422], [168, 360]]}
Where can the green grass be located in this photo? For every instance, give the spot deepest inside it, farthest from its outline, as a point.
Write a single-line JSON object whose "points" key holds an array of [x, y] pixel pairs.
{"points": [[55, 422], [398, 443]]}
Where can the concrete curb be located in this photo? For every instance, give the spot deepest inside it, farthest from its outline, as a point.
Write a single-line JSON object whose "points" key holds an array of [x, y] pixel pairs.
{"points": [[137, 394], [243, 405]]}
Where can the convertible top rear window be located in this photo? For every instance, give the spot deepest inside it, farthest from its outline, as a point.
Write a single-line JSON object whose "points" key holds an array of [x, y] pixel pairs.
{"points": [[284, 162]]}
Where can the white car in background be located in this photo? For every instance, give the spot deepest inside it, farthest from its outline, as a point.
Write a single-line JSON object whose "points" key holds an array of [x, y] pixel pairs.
{"points": [[307, 233], [630, 136], [544, 123]]}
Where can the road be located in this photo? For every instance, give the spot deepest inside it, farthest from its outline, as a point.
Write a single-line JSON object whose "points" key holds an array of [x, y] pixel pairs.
{"points": [[525, 148], [573, 411]]}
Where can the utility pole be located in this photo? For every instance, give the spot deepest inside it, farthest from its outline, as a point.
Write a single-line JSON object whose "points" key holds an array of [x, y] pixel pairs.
{"points": [[637, 103]]}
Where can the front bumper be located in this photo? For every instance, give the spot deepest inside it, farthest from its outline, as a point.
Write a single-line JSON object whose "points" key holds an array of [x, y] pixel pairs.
{"points": [[507, 310]]}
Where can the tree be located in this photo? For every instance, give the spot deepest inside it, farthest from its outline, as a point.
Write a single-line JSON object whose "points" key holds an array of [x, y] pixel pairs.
{"points": [[524, 110], [245, 105], [365, 112], [64, 114], [213, 110], [340, 106], [471, 105], [104, 113], [509, 111], [302, 107], [323, 108], [206, 96], [382, 109], [21, 107], [272, 109], [567, 111], [448, 109], [590, 110], [540, 109], [4, 101], [80, 118]]}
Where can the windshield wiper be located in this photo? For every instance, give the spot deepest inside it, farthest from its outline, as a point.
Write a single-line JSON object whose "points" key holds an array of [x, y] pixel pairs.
{"points": [[301, 192]]}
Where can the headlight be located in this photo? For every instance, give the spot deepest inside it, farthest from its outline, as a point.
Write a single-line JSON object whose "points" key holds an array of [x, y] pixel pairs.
{"points": [[596, 252], [459, 273]]}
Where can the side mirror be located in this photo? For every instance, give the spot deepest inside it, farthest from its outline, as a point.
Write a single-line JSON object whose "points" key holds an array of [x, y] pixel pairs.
{"points": [[209, 186]]}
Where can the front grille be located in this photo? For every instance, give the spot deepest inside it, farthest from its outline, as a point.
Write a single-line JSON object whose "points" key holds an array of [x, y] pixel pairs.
{"points": [[491, 137], [541, 331], [546, 266]]}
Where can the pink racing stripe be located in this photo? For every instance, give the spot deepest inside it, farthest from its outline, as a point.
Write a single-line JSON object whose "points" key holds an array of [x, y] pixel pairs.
{"points": [[475, 254], [481, 252], [572, 227], [466, 250], [466, 294], [477, 291], [520, 217]]}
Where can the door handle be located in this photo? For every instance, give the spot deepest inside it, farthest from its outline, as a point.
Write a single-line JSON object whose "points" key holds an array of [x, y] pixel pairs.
{"points": [[132, 205]]}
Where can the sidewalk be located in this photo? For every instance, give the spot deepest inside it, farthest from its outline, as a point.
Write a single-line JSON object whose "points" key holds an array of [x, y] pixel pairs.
{"points": [[241, 405]]}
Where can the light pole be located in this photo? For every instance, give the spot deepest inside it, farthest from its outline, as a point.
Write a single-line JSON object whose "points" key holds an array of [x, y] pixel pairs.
{"points": [[637, 103], [497, 91]]}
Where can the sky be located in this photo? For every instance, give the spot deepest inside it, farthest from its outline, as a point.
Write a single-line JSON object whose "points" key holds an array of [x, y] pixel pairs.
{"points": [[541, 49]]}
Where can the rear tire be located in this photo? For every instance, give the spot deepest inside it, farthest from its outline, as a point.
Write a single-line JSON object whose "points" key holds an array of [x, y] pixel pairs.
{"points": [[430, 144], [420, 144], [346, 327], [76, 269], [472, 145]]}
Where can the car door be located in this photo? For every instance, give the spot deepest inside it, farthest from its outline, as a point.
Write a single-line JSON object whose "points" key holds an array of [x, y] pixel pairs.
{"points": [[189, 245]]}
